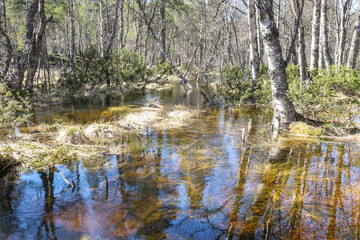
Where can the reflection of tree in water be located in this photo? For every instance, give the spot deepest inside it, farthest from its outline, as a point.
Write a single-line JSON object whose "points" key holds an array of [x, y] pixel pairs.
{"points": [[145, 188], [47, 227], [196, 162], [6, 208]]}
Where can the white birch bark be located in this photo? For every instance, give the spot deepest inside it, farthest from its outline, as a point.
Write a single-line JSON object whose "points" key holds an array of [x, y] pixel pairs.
{"points": [[315, 35], [253, 38], [324, 34], [354, 48], [284, 111]]}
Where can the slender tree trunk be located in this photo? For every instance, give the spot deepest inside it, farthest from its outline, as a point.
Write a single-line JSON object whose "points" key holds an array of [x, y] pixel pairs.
{"points": [[121, 23], [253, 38], [315, 35], [260, 43], [7, 44], [163, 28], [108, 50], [284, 112], [354, 48], [183, 79], [342, 37], [301, 38], [72, 35], [101, 30], [81, 46], [324, 34]]}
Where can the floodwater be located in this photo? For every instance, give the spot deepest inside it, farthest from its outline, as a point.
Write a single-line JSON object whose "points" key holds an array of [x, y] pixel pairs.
{"points": [[198, 182]]}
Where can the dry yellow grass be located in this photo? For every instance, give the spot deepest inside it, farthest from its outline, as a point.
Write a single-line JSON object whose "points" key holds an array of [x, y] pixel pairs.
{"points": [[73, 135], [179, 116], [140, 120]]}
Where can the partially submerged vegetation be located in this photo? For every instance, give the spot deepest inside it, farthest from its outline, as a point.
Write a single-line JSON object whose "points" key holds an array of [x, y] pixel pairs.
{"points": [[60, 143]]}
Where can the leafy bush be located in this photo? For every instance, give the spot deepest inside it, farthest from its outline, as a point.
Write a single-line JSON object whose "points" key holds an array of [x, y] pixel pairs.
{"points": [[128, 66], [332, 96], [235, 88]]}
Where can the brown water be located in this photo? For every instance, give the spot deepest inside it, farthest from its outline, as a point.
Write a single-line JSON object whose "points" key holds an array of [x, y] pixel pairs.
{"points": [[197, 182]]}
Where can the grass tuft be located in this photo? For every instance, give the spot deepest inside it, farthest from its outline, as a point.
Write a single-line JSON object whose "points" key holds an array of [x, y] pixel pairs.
{"points": [[73, 135]]}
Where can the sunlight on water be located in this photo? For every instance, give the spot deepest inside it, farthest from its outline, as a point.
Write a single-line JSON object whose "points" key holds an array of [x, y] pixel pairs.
{"points": [[197, 182]]}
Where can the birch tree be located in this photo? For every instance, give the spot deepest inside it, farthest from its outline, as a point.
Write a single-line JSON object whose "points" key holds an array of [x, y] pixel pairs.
{"points": [[253, 38], [284, 111], [315, 35], [354, 48], [324, 41]]}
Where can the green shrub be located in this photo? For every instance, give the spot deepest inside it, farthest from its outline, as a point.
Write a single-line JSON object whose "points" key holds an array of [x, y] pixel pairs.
{"points": [[235, 88], [332, 96]]}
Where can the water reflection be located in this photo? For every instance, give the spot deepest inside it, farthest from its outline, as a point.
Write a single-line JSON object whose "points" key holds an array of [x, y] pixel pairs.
{"points": [[199, 182]]}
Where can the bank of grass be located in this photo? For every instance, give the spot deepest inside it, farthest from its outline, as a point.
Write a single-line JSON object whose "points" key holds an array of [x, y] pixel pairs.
{"points": [[159, 118], [35, 155], [44, 146]]}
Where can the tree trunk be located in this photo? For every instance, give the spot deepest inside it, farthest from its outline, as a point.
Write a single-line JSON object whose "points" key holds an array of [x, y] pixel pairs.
{"points": [[35, 47], [72, 50], [354, 48], [108, 50], [163, 28], [29, 57], [301, 38], [315, 35], [121, 23], [7, 43], [342, 36], [163, 50], [253, 38], [101, 31], [284, 112], [324, 34]]}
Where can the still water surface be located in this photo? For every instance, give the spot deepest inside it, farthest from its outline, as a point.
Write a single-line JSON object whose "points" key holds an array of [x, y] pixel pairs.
{"points": [[198, 182]]}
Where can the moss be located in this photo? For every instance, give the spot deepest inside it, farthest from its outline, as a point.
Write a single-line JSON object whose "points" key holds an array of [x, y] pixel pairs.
{"points": [[305, 129]]}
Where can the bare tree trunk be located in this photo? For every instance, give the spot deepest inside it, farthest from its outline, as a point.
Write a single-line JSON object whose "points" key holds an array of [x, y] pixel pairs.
{"points": [[354, 48], [101, 31], [9, 50], [29, 57], [36, 43], [253, 38], [284, 112], [342, 37], [114, 27], [81, 46], [163, 50], [301, 38], [163, 28], [121, 23], [324, 34], [315, 35], [72, 35]]}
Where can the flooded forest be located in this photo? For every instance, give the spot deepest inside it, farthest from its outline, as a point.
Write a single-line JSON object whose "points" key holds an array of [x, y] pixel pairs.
{"points": [[178, 119]]}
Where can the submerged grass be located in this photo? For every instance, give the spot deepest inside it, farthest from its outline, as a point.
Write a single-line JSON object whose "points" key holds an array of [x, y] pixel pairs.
{"points": [[36, 155]]}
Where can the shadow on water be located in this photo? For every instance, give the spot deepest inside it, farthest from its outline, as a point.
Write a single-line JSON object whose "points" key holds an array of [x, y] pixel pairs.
{"points": [[197, 182]]}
